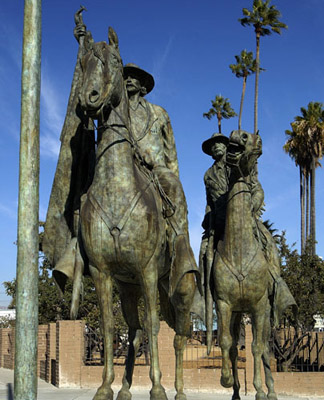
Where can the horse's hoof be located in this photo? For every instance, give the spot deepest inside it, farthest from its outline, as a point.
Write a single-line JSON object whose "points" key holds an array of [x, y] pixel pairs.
{"points": [[124, 395], [180, 396], [227, 381], [104, 394], [158, 393], [272, 396], [236, 396], [260, 396]]}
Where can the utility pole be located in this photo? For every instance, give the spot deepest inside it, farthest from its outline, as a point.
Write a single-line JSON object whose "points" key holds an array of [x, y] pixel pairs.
{"points": [[28, 204]]}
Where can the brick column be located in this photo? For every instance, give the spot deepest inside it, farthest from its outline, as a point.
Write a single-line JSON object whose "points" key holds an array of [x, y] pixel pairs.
{"points": [[7, 348], [166, 355], [10, 363], [69, 353], [4, 347], [41, 353], [1, 348], [249, 359], [51, 353]]}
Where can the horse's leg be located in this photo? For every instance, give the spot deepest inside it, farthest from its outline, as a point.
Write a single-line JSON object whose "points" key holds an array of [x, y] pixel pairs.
{"points": [[129, 296], [224, 314], [182, 302], [152, 325], [258, 318], [266, 357], [104, 289], [235, 331]]}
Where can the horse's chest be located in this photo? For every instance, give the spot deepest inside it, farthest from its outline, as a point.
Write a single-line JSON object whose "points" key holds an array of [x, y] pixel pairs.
{"points": [[120, 240]]}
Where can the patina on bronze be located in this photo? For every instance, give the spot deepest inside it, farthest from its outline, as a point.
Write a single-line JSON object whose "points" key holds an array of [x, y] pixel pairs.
{"points": [[245, 272], [117, 217]]}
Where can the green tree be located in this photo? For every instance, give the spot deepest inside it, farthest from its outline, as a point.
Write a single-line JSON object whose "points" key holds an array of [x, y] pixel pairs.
{"points": [[305, 145], [7, 322], [304, 275], [265, 20], [221, 108], [53, 306], [245, 66]]}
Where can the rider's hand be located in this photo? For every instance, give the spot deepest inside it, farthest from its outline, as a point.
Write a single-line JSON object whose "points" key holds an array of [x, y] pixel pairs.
{"points": [[79, 31]]}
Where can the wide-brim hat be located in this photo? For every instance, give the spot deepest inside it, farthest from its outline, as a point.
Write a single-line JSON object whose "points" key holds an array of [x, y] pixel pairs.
{"points": [[144, 77], [216, 138]]}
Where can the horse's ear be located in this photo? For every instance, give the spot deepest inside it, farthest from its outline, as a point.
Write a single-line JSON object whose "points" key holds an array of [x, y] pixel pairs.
{"points": [[113, 38]]}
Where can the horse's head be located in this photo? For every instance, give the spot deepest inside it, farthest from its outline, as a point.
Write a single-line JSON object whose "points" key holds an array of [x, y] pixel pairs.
{"points": [[102, 83], [243, 151]]}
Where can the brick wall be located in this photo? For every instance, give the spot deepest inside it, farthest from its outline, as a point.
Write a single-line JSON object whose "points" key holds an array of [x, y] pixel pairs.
{"points": [[61, 352], [7, 352]]}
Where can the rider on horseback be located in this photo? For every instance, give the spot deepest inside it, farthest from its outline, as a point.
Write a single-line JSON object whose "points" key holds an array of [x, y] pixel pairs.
{"points": [[151, 129], [216, 183]]}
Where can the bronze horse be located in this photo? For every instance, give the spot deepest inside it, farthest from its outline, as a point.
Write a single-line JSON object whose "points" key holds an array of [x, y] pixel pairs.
{"points": [[240, 272], [122, 230]]}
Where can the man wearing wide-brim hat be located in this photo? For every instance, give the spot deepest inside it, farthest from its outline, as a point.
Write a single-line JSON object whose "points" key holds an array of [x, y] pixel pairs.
{"points": [[215, 138], [151, 128], [216, 180], [216, 183], [146, 79]]}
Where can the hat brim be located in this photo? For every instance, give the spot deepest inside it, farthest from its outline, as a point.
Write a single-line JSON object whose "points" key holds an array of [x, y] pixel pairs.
{"points": [[145, 78], [207, 144]]}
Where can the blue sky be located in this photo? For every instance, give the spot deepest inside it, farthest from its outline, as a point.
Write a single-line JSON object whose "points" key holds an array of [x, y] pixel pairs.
{"points": [[187, 46]]}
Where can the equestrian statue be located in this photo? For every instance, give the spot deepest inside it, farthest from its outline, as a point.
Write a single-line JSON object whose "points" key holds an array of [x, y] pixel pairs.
{"points": [[117, 210], [239, 260]]}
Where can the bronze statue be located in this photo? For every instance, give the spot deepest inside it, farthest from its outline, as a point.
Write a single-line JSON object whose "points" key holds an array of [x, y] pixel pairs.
{"points": [[245, 274], [216, 184], [115, 212]]}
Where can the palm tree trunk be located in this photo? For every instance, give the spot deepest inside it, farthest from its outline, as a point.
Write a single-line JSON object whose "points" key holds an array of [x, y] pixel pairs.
{"points": [[219, 125], [257, 73], [241, 104], [312, 210], [307, 205], [302, 209]]}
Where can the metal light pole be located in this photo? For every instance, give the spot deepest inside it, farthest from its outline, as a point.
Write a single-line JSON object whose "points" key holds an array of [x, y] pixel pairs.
{"points": [[27, 257]]}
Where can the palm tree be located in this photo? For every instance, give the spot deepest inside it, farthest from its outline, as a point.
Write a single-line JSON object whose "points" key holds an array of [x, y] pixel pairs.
{"points": [[311, 125], [264, 18], [245, 66], [221, 108], [305, 145], [296, 146]]}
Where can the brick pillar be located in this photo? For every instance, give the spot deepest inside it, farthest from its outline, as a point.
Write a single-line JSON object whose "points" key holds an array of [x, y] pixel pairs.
{"points": [[11, 348], [51, 353], [1, 349], [69, 353], [41, 351], [249, 360], [166, 355]]}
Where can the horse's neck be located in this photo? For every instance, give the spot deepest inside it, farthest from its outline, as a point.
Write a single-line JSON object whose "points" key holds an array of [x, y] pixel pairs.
{"points": [[114, 177], [239, 242]]}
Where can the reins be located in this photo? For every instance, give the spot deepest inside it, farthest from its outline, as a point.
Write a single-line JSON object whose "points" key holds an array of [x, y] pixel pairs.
{"points": [[168, 206]]}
